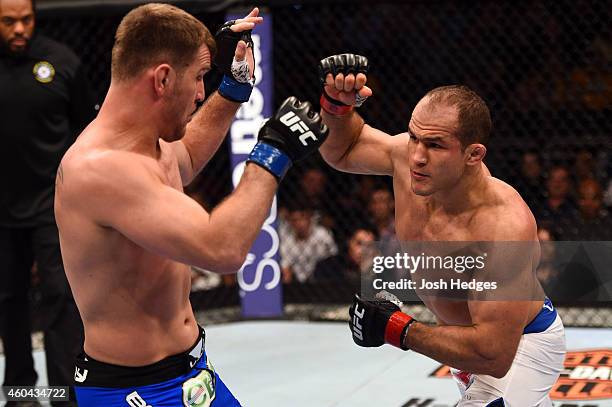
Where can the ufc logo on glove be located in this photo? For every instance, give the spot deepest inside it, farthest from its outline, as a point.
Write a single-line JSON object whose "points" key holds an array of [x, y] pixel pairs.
{"points": [[294, 123], [357, 327]]}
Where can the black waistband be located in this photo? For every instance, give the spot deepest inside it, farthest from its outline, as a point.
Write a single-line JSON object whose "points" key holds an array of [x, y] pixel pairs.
{"points": [[93, 373]]}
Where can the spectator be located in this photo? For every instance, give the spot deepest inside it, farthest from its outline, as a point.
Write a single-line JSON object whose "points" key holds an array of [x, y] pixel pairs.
{"points": [[530, 181], [592, 221], [44, 104], [579, 278], [382, 208], [546, 272], [558, 206], [349, 265], [303, 243], [314, 192], [584, 166], [351, 202], [313, 183]]}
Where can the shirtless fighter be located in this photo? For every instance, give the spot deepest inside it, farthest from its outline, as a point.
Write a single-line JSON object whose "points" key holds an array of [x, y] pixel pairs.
{"points": [[127, 230], [504, 352]]}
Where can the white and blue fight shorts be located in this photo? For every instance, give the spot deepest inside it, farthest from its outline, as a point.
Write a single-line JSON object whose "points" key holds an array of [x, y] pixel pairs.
{"points": [[187, 379], [535, 369]]}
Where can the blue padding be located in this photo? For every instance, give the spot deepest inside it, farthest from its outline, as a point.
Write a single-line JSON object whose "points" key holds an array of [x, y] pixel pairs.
{"points": [[270, 158], [235, 91], [496, 403], [543, 320]]}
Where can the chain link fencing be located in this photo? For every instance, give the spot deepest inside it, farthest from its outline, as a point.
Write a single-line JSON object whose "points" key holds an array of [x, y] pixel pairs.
{"points": [[544, 69]]}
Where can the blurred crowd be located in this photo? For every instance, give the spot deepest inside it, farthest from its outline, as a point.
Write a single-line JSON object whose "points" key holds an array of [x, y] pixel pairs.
{"points": [[330, 224]]}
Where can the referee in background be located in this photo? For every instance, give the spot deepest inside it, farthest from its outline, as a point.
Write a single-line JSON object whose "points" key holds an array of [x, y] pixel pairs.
{"points": [[44, 104]]}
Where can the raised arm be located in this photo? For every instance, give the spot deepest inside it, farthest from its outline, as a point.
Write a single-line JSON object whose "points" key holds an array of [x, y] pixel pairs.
{"points": [[211, 123], [126, 192], [352, 146], [204, 135]]}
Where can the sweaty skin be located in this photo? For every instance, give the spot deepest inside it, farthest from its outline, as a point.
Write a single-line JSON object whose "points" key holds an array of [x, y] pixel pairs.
{"points": [[128, 232], [442, 193]]}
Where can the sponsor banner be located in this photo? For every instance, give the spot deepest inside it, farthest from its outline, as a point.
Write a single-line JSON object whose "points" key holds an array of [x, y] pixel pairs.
{"points": [[259, 279], [587, 376], [585, 381]]}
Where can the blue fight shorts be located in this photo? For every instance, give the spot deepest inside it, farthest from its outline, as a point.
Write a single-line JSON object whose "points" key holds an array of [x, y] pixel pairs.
{"points": [[535, 369], [187, 379], [543, 320]]}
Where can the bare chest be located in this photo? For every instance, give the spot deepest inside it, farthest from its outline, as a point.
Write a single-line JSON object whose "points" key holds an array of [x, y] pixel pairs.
{"points": [[414, 221]]}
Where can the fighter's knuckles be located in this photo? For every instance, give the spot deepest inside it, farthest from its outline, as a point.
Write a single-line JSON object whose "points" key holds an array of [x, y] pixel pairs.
{"points": [[349, 82], [360, 81], [339, 81], [349, 77]]}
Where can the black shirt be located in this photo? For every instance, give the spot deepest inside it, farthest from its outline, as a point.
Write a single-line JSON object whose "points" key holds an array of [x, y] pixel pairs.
{"points": [[44, 103]]}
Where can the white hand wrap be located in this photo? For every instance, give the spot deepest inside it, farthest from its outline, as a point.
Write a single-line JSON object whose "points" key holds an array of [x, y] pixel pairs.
{"points": [[359, 99], [240, 71]]}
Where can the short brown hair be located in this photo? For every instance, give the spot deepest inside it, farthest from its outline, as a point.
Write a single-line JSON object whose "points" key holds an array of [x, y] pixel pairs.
{"points": [[155, 33], [474, 118]]}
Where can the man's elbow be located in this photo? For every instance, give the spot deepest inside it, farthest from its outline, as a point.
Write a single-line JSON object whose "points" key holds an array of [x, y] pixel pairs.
{"points": [[500, 371], [232, 262], [499, 366], [225, 261], [494, 360], [334, 160]]}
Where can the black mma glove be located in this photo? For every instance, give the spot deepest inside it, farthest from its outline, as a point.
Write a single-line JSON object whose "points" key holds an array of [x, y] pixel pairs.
{"points": [[345, 64], [294, 131], [374, 323], [237, 83]]}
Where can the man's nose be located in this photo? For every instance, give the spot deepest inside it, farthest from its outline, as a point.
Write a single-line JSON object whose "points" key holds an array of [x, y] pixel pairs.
{"points": [[19, 28], [419, 155], [201, 93]]}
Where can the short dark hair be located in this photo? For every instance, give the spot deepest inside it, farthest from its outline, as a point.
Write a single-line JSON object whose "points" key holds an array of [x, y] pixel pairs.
{"points": [[474, 118], [155, 32], [367, 227]]}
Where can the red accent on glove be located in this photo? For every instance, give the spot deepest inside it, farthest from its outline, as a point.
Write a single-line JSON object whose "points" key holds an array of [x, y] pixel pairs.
{"points": [[465, 377], [332, 108], [395, 326]]}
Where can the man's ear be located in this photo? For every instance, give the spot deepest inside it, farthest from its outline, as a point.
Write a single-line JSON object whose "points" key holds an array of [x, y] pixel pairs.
{"points": [[475, 153], [164, 78]]}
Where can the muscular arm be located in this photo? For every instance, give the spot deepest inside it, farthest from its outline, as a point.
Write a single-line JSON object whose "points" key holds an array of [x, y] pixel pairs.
{"points": [[486, 347], [489, 345], [353, 146], [204, 135], [131, 199]]}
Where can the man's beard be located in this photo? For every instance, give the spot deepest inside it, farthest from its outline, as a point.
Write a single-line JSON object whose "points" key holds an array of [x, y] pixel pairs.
{"points": [[5, 48]]}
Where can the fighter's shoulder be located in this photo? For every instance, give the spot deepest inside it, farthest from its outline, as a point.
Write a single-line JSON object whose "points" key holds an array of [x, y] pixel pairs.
{"points": [[397, 144], [506, 216], [96, 171], [398, 140]]}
